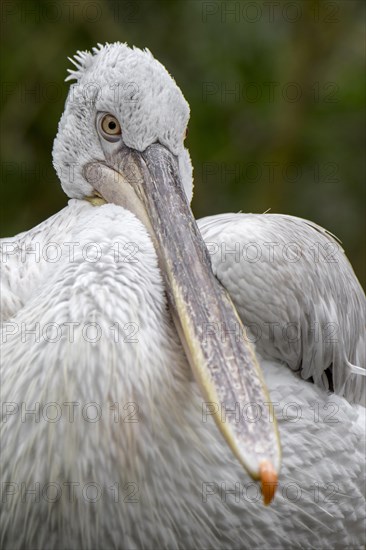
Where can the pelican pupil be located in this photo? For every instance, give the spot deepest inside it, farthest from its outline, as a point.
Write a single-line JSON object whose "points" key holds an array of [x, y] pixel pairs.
{"points": [[112, 125]]}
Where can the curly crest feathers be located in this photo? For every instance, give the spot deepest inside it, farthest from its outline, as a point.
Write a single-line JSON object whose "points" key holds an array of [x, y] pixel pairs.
{"points": [[82, 60]]}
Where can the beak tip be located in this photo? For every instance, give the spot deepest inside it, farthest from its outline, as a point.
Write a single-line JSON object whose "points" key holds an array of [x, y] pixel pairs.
{"points": [[269, 481]]}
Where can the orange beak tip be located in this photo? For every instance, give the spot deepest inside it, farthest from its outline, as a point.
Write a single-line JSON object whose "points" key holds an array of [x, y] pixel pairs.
{"points": [[269, 481]]}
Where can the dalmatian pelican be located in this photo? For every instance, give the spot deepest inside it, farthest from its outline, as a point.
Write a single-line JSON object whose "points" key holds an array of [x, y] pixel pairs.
{"points": [[138, 346]]}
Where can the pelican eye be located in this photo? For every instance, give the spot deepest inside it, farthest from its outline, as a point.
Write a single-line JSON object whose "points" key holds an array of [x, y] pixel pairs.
{"points": [[109, 127]]}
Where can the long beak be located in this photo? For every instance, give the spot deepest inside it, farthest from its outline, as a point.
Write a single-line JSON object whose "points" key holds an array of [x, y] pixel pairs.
{"points": [[223, 362]]}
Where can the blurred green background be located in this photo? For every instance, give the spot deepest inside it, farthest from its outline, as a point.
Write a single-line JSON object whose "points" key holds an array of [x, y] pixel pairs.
{"points": [[277, 95]]}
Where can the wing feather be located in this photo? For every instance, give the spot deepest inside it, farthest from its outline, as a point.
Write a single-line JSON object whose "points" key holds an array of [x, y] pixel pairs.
{"points": [[297, 293]]}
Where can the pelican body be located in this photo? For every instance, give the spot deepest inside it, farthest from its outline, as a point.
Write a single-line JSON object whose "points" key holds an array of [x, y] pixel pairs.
{"points": [[137, 353]]}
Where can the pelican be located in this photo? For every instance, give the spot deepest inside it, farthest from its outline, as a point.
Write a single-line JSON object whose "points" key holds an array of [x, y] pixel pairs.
{"points": [[138, 347]]}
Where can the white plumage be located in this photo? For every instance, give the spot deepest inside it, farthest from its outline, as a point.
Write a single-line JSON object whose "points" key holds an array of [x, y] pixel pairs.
{"points": [[169, 480], [292, 283]]}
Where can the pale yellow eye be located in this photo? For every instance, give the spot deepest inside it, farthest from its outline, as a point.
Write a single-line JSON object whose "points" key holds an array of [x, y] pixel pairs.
{"points": [[110, 125]]}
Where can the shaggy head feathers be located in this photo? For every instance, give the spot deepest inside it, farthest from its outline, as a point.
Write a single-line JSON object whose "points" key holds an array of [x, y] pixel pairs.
{"points": [[135, 88]]}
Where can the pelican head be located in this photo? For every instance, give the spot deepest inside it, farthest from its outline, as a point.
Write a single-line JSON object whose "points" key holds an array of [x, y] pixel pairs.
{"points": [[121, 140], [131, 86]]}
